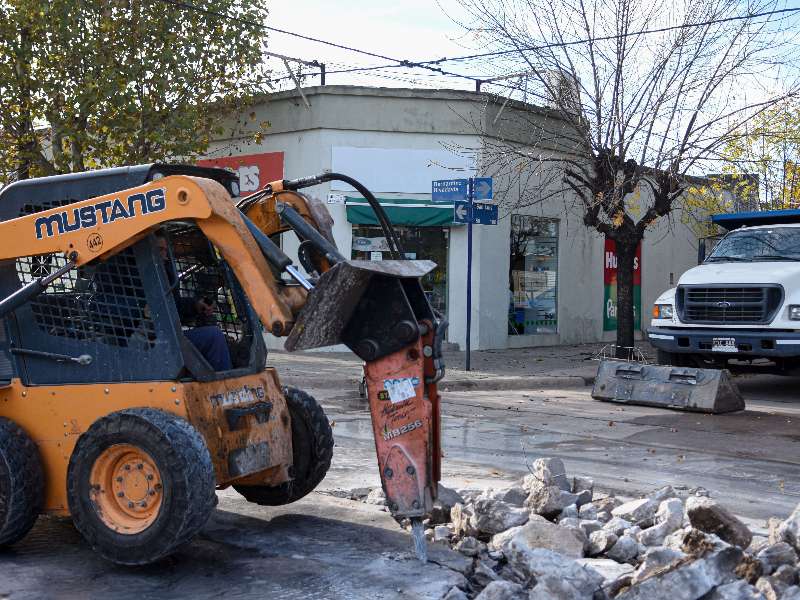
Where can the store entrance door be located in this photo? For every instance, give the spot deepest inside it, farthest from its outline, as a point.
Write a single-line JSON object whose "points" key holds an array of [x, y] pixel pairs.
{"points": [[419, 243]]}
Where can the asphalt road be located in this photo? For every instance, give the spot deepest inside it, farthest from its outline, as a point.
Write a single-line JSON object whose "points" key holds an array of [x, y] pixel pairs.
{"points": [[326, 547]]}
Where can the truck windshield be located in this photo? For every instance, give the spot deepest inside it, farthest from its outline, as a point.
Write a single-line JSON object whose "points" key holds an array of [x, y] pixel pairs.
{"points": [[769, 244]]}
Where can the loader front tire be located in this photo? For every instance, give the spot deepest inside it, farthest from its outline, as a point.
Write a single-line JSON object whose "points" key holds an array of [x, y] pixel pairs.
{"points": [[140, 484], [312, 450], [21, 483]]}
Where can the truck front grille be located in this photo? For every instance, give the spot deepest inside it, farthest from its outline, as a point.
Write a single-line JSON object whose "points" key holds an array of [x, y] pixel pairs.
{"points": [[724, 304]]}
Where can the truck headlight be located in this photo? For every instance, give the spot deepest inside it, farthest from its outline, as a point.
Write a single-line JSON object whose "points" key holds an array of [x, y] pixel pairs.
{"points": [[664, 311], [794, 312]]}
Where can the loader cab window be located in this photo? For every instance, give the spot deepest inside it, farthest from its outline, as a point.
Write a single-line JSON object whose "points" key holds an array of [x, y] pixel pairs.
{"points": [[210, 303], [102, 303]]}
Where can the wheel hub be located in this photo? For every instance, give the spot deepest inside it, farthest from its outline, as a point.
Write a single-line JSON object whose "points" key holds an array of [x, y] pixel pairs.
{"points": [[126, 488]]}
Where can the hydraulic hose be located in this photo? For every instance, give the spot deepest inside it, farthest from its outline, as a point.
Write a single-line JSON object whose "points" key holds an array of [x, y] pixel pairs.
{"points": [[395, 247]]}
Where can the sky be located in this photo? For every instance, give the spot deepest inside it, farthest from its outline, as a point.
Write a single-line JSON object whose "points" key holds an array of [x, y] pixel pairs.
{"points": [[411, 29]]}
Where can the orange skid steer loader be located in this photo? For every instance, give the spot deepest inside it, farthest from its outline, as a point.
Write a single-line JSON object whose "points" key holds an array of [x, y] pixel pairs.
{"points": [[132, 356]]}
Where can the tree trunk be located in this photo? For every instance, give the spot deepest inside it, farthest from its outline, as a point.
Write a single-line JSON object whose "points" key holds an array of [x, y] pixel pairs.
{"points": [[626, 254]]}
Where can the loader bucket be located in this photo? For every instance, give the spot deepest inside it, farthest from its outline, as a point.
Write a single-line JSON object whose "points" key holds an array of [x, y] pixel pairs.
{"points": [[371, 306], [695, 390]]}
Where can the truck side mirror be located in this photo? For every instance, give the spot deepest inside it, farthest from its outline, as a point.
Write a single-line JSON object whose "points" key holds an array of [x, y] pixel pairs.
{"points": [[701, 251]]}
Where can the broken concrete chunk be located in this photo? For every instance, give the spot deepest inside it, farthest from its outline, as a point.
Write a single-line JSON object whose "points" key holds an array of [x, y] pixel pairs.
{"points": [[502, 590], [590, 527], [641, 511], [626, 549], [771, 588], [441, 533], [606, 504], [570, 522], [483, 574], [582, 484], [709, 516], [604, 516], [687, 581], [792, 593], [786, 574], [758, 543], [584, 497], [460, 515], [455, 594], [555, 575], [588, 512], [469, 546], [551, 471], [738, 590], [668, 519], [600, 542], [569, 512], [609, 569], [492, 516], [663, 493], [618, 526], [776, 555], [514, 495], [789, 530], [657, 560], [549, 501], [499, 542], [376, 496], [440, 513], [543, 534]]}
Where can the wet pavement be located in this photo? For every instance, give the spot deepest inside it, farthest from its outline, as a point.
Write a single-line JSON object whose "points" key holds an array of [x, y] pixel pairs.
{"points": [[319, 548]]}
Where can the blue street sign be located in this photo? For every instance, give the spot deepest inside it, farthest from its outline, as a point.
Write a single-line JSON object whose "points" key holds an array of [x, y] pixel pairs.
{"points": [[448, 190], [482, 188], [482, 214], [460, 212]]}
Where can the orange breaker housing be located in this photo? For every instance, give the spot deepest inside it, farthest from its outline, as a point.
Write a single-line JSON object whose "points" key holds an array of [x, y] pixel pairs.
{"points": [[379, 310]]}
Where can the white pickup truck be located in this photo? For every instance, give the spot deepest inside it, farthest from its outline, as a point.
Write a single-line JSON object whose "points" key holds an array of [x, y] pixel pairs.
{"points": [[742, 302]]}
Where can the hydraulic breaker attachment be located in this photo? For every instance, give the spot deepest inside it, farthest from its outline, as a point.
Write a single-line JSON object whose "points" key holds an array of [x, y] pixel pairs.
{"points": [[379, 311], [680, 388]]}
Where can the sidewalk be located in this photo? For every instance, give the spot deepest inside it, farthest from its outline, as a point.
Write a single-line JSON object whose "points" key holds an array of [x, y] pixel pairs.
{"points": [[523, 368]]}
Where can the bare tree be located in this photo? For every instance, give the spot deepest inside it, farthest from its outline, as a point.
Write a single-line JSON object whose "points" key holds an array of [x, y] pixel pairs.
{"points": [[639, 95]]}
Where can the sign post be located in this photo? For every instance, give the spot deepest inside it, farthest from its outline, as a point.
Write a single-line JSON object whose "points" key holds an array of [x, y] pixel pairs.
{"points": [[463, 193]]}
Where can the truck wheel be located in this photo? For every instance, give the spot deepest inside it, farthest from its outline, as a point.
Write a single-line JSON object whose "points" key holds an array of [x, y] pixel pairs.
{"points": [[21, 483], [140, 483], [312, 450]]}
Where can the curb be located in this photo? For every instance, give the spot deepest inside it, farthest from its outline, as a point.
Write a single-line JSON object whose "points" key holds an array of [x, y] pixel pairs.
{"points": [[517, 383]]}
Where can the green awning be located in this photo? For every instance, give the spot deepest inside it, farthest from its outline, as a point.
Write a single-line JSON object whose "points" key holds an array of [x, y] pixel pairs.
{"points": [[421, 213]]}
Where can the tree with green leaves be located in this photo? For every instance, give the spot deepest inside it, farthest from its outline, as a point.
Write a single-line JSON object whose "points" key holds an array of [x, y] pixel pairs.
{"points": [[767, 150], [111, 82]]}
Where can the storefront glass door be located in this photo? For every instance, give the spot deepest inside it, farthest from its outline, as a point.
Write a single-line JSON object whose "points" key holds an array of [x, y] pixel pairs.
{"points": [[419, 243]]}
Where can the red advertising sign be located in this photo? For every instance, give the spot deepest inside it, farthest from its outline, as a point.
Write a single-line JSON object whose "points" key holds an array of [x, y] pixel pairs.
{"points": [[610, 285], [255, 170]]}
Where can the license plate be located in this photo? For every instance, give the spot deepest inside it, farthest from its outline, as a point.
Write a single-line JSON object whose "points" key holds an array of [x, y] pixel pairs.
{"points": [[723, 345]]}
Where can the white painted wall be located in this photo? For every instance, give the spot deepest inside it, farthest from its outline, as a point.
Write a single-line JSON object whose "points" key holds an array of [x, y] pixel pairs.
{"points": [[396, 142]]}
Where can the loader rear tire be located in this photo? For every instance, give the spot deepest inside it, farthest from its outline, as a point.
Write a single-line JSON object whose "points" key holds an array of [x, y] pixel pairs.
{"points": [[312, 450], [140, 484], [21, 483]]}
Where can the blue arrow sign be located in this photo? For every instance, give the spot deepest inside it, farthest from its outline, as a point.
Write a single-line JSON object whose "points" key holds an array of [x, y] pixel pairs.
{"points": [[482, 188], [482, 214], [449, 190]]}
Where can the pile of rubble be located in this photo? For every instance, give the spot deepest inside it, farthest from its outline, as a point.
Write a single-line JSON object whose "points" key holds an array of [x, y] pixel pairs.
{"points": [[548, 537]]}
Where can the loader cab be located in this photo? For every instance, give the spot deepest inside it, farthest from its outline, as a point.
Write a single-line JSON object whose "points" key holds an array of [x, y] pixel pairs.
{"points": [[122, 319]]}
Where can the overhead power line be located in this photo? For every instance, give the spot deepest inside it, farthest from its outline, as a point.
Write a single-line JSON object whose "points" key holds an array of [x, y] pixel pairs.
{"points": [[430, 64]]}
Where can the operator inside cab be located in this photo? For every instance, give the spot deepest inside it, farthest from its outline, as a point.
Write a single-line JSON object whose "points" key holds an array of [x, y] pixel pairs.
{"points": [[206, 335]]}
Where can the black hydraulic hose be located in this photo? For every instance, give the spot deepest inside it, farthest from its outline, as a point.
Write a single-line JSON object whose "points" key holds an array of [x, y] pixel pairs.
{"points": [[395, 247]]}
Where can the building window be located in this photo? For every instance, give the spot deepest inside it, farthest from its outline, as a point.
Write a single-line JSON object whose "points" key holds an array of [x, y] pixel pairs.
{"points": [[419, 243], [533, 276]]}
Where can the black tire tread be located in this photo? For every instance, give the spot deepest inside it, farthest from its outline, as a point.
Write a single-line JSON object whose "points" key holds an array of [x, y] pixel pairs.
{"points": [[20, 460], [187, 457], [304, 407]]}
